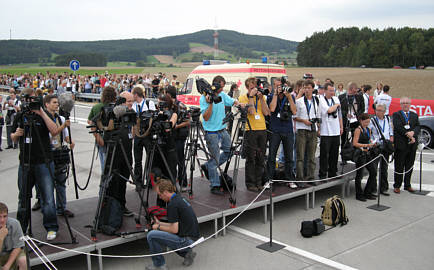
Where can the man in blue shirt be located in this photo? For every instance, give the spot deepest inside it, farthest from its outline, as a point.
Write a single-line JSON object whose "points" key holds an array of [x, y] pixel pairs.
{"points": [[215, 132], [282, 107]]}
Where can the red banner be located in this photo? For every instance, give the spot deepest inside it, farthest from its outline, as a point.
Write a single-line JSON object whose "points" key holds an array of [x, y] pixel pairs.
{"points": [[422, 107]]}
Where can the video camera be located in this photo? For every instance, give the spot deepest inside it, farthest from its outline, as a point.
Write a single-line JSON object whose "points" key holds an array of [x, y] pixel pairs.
{"points": [[286, 88], [261, 85], [30, 103], [206, 89], [242, 111]]}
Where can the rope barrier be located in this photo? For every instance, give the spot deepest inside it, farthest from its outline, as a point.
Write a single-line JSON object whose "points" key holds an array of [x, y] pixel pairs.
{"points": [[39, 252], [201, 240]]}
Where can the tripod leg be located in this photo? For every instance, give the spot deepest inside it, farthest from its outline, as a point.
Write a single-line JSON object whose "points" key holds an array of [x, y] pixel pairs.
{"points": [[163, 157]]}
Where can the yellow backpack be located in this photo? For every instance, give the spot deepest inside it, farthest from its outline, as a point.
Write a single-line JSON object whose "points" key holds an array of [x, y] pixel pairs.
{"points": [[333, 212]]}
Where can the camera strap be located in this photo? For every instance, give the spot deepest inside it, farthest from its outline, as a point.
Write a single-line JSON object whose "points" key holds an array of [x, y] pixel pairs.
{"points": [[377, 126], [308, 106]]}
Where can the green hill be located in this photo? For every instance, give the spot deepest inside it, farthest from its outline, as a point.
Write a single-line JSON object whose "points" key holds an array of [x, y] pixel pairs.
{"points": [[234, 43]]}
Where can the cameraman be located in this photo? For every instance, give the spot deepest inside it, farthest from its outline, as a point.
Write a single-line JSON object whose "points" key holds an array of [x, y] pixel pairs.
{"points": [[181, 132], [331, 129], [61, 167], [282, 108], [12, 106], [256, 134], [381, 124], [307, 125], [41, 167], [216, 132], [140, 105]]}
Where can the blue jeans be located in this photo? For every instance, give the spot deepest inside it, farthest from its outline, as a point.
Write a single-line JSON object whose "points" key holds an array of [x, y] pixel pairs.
{"points": [[287, 139], [213, 140], [39, 175], [157, 239]]}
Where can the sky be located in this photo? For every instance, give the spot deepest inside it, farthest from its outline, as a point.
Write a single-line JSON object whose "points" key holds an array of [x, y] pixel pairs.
{"points": [[124, 19]]}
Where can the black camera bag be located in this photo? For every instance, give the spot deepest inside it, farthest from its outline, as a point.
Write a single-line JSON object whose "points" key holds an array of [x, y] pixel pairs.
{"points": [[318, 226], [111, 217], [307, 229]]}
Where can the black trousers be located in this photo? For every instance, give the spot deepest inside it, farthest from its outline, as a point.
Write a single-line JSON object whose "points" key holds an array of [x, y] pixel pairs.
{"points": [[139, 144], [256, 142], [328, 158], [384, 184], [182, 174], [372, 179], [404, 160]]}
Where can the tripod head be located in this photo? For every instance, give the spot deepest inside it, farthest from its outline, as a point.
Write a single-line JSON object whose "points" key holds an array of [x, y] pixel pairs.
{"points": [[242, 111]]}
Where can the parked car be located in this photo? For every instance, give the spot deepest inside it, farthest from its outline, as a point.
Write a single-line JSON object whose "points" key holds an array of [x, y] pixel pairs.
{"points": [[426, 130]]}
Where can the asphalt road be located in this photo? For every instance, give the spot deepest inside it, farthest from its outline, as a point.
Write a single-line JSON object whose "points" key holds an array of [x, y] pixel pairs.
{"points": [[398, 238]]}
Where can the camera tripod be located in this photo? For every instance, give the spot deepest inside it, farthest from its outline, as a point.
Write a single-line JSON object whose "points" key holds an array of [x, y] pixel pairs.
{"points": [[146, 183], [27, 122]]}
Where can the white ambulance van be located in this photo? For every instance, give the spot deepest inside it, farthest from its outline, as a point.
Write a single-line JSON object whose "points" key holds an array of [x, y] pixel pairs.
{"points": [[233, 73]]}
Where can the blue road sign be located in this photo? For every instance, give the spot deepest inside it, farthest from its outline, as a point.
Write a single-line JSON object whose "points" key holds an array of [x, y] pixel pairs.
{"points": [[74, 65]]}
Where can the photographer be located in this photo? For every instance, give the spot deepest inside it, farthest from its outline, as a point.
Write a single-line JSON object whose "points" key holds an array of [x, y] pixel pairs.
{"points": [[282, 108], [362, 140], [12, 255], [40, 167], [215, 131], [140, 105], [12, 106], [381, 125], [307, 125], [256, 134], [61, 167], [181, 132], [331, 129], [180, 230]]}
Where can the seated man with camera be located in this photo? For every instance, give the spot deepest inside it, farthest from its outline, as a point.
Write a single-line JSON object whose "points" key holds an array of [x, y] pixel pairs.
{"points": [[31, 129], [307, 123], [382, 133], [60, 152], [180, 230], [331, 130], [282, 108], [212, 108]]}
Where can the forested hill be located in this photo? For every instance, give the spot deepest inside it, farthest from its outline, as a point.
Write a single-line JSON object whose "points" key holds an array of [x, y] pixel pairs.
{"points": [[235, 43], [354, 47]]}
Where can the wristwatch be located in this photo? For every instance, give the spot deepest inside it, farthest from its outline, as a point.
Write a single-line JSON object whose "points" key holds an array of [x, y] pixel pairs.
{"points": [[158, 228]]}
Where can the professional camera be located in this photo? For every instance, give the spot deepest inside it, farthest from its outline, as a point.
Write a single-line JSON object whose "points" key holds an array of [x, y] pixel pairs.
{"points": [[285, 88], [334, 114], [206, 89], [242, 111], [30, 103], [261, 85], [284, 114], [194, 113], [315, 120]]}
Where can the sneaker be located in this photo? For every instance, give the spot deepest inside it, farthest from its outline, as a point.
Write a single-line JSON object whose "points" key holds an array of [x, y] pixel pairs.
{"points": [[189, 258], [128, 213], [1, 150], [36, 206], [216, 191], [292, 185], [67, 213], [51, 235], [205, 170], [153, 267]]}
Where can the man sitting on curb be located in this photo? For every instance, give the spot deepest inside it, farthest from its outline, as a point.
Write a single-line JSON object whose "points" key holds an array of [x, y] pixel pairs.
{"points": [[181, 230], [12, 255]]}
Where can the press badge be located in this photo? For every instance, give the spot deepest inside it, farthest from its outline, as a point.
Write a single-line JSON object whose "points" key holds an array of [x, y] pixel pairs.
{"points": [[407, 126], [28, 140], [278, 115], [54, 142], [130, 136], [257, 117]]}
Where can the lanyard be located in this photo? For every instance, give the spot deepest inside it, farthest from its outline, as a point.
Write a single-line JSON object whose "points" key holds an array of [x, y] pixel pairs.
{"points": [[173, 195], [331, 101], [368, 133], [282, 103], [407, 119], [384, 124], [256, 104], [141, 106], [308, 106]]}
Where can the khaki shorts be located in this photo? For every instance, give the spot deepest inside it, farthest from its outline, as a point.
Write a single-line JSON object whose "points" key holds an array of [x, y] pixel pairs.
{"points": [[4, 259]]}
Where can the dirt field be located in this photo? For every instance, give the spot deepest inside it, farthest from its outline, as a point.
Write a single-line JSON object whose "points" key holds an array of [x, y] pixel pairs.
{"points": [[418, 84]]}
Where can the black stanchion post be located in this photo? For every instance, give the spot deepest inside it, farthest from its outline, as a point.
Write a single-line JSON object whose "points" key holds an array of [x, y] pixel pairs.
{"points": [[420, 191], [378, 206], [270, 246]]}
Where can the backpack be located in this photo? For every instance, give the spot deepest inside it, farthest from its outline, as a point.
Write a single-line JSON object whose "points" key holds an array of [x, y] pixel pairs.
{"points": [[333, 212], [157, 211], [111, 217]]}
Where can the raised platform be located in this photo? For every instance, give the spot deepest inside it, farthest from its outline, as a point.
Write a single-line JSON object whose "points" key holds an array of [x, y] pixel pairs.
{"points": [[208, 207]]}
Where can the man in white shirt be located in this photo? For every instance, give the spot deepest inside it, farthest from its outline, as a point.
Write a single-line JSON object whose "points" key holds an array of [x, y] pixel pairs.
{"points": [[384, 98], [331, 130], [307, 126], [366, 93], [382, 124], [139, 106]]}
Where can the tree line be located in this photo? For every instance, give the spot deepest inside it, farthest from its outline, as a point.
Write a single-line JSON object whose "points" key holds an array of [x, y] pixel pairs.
{"points": [[85, 59], [354, 47]]}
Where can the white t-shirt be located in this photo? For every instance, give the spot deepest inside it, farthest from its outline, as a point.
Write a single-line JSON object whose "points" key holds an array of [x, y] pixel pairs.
{"points": [[143, 106], [302, 112], [329, 125], [366, 100], [55, 143], [384, 99]]}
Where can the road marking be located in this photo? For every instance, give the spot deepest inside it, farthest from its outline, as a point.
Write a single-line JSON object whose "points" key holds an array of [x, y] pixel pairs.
{"points": [[82, 106], [304, 253], [431, 194]]}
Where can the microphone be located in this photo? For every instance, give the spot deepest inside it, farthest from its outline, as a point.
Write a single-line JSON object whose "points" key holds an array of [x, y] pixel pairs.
{"points": [[119, 111], [66, 103]]}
